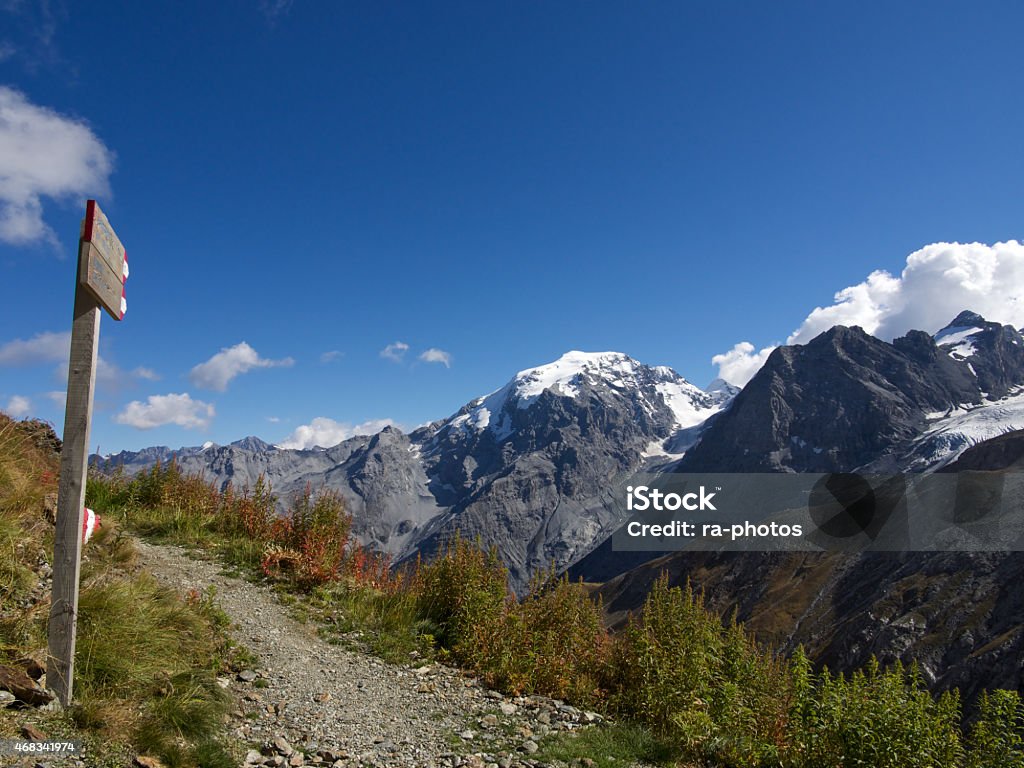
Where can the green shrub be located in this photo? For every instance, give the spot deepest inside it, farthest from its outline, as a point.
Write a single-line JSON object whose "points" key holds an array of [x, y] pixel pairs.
{"points": [[705, 686], [311, 540], [874, 717], [561, 644], [665, 661], [463, 594], [997, 738], [249, 515], [553, 643]]}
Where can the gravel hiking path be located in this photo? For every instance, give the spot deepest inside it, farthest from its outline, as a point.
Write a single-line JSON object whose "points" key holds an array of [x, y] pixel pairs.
{"points": [[308, 702]]}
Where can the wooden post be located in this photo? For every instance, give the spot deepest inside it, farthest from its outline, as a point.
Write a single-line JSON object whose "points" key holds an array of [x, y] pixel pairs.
{"points": [[102, 271], [74, 456]]}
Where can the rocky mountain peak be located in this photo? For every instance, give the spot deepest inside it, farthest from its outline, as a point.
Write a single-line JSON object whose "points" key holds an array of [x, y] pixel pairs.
{"points": [[251, 443], [658, 392], [842, 337], [967, 319], [721, 390], [992, 353]]}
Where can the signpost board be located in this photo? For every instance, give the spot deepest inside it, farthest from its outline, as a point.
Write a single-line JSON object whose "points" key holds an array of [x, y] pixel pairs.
{"points": [[103, 261], [102, 271]]}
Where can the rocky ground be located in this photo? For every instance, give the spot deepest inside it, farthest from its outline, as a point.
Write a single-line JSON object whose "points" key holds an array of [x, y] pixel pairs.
{"points": [[308, 702]]}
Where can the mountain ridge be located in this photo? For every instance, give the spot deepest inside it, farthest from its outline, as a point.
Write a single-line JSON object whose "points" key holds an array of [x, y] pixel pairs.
{"points": [[523, 468]]}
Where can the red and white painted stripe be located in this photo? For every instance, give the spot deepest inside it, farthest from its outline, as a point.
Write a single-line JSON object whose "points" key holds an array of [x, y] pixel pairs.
{"points": [[124, 279], [90, 522]]}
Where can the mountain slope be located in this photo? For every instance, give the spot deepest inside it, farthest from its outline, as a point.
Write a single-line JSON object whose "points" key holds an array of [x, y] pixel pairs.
{"points": [[524, 469], [959, 615], [847, 400]]}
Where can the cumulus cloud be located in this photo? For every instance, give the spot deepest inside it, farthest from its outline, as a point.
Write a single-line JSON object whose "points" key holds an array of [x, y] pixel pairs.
{"points": [[18, 407], [325, 432], [395, 351], [739, 364], [330, 357], [161, 410], [42, 348], [434, 355], [230, 362], [110, 377], [44, 154], [938, 282]]}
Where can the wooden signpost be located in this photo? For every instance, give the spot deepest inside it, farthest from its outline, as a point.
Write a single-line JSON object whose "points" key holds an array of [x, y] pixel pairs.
{"points": [[102, 271]]}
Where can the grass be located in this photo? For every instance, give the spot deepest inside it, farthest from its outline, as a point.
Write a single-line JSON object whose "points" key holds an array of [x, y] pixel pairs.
{"points": [[386, 621], [146, 657], [609, 746]]}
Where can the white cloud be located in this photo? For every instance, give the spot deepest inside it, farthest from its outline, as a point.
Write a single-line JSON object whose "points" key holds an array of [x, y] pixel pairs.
{"points": [[327, 432], [739, 364], [145, 373], [939, 281], [48, 347], [395, 351], [161, 410], [434, 355], [44, 154], [220, 369], [110, 377], [18, 407], [274, 419], [42, 348], [330, 357]]}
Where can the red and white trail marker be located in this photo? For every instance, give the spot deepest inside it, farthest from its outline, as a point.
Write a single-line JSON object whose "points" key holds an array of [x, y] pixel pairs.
{"points": [[90, 523]]}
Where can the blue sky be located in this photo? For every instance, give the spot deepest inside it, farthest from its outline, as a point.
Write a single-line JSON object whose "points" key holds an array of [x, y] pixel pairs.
{"points": [[489, 185]]}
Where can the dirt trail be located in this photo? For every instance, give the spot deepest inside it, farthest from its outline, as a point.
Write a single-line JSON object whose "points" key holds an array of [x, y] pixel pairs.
{"points": [[351, 708]]}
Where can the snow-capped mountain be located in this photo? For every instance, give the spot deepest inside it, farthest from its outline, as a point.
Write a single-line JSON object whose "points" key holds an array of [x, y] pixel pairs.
{"points": [[994, 356], [526, 468], [530, 467], [847, 400], [662, 395]]}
